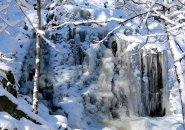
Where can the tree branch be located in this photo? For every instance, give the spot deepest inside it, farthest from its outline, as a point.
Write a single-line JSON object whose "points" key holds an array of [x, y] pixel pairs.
{"points": [[165, 18], [38, 31], [146, 17], [3, 27], [120, 21], [109, 33]]}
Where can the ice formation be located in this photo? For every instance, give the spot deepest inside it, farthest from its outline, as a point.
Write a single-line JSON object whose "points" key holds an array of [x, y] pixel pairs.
{"points": [[154, 90], [129, 83]]}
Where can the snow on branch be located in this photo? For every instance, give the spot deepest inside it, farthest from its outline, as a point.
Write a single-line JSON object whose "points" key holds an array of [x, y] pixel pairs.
{"points": [[165, 18], [42, 33], [177, 56], [109, 33], [139, 2], [176, 27], [148, 14], [86, 22], [49, 42], [177, 12], [3, 27], [118, 20], [180, 57], [25, 4], [181, 2], [6, 58], [121, 22]]}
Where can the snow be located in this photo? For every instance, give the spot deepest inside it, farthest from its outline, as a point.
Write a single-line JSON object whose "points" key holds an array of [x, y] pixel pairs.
{"points": [[164, 123], [56, 121], [8, 122], [14, 48], [41, 32], [48, 122]]}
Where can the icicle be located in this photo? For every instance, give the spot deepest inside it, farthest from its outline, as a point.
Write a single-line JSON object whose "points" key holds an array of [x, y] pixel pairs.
{"points": [[154, 82]]}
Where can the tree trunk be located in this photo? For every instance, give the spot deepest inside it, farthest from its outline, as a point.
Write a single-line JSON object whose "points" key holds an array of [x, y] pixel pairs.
{"points": [[179, 73], [37, 68], [177, 64]]}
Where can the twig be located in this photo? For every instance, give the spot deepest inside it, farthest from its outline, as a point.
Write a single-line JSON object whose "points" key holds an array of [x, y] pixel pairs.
{"points": [[176, 27], [147, 15], [109, 33], [120, 21], [181, 2], [165, 18]]}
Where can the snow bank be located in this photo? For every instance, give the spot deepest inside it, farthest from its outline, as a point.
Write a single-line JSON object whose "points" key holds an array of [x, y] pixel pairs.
{"points": [[10, 123]]}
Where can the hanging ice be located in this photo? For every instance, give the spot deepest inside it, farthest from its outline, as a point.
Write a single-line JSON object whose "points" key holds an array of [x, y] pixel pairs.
{"points": [[129, 83], [154, 82]]}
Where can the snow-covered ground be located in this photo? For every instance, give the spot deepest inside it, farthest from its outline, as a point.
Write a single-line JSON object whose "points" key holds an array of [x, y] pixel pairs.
{"points": [[160, 123]]}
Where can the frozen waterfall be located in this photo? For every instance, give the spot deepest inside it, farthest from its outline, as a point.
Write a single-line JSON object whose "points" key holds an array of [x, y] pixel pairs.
{"points": [[129, 83], [154, 82]]}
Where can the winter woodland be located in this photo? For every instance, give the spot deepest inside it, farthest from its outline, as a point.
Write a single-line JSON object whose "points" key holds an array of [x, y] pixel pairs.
{"points": [[92, 64]]}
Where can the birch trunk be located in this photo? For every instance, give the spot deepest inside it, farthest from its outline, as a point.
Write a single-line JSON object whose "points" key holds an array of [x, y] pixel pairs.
{"points": [[179, 72], [37, 68], [177, 65]]}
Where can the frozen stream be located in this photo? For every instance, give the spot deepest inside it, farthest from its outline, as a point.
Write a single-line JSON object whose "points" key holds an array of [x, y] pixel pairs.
{"points": [[145, 123]]}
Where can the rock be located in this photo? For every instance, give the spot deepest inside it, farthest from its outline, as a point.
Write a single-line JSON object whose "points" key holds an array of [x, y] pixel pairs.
{"points": [[8, 82], [10, 107]]}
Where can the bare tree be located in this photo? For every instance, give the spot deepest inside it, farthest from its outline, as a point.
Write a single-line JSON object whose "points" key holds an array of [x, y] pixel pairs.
{"points": [[37, 68]]}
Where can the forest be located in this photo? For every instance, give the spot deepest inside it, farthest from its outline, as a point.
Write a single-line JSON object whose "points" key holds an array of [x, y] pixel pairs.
{"points": [[92, 65]]}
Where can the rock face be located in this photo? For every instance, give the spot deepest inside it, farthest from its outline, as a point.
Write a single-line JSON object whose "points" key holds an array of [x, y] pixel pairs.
{"points": [[9, 86], [10, 107], [8, 81]]}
